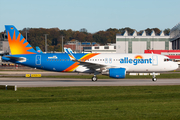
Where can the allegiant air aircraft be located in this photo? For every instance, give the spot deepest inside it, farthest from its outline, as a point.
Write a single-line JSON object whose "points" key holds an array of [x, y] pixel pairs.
{"points": [[114, 65], [38, 49]]}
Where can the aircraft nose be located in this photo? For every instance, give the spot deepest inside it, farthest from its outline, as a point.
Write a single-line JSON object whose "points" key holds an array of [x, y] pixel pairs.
{"points": [[176, 66]]}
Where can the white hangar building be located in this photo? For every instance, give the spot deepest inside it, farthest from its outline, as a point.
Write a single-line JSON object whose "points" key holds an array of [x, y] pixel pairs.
{"points": [[138, 43], [175, 37]]}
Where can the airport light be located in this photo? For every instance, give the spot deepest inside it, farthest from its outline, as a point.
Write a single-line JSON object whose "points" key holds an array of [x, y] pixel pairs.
{"points": [[62, 42], [45, 42], [26, 33]]}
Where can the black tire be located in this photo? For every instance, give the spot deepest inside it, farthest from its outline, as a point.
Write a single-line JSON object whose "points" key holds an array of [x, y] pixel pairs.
{"points": [[94, 78], [154, 79]]}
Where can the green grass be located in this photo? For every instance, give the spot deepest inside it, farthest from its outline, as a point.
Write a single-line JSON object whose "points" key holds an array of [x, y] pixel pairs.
{"points": [[128, 103]]}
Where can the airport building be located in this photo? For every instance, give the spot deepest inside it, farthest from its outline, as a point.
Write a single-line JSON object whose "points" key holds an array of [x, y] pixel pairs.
{"points": [[175, 37], [90, 47], [4, 45], [138, 43], [109, 48]]}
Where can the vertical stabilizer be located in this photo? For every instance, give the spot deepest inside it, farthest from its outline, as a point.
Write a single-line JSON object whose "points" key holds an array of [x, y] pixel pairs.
{"points": [[38, 49], [18, 44]]}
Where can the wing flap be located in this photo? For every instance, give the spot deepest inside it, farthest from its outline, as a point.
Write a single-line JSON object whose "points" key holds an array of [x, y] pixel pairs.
{"points": [[93, 66]]}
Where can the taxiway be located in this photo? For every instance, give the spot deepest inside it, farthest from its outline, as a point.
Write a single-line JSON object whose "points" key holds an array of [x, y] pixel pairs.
{"points": [[63, 82]]}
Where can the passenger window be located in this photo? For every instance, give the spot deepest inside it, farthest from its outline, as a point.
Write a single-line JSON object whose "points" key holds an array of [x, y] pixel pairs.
{"points": [[166, 59]]}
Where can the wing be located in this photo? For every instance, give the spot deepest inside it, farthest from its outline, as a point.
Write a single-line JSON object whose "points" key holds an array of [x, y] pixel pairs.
{"points": [[92, 66]]}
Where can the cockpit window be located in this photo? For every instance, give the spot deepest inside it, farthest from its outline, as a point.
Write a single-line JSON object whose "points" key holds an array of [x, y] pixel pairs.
{"points": [[167, 59]]}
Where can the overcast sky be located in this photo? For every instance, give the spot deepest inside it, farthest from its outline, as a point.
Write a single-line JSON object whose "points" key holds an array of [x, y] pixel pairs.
{"points": [[94, 15]]}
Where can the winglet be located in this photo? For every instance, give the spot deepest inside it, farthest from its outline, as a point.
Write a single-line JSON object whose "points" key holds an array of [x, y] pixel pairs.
{"points": [[65, 50], [69, 52]]}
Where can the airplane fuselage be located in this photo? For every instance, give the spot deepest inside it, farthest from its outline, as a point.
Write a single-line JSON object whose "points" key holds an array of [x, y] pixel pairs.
{"points": [[61, 62]]}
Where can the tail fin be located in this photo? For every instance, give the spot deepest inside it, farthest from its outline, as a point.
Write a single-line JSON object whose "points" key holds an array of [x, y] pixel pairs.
{"points": [[18, 44], [38, 49], [66, 50], [69, 52]]}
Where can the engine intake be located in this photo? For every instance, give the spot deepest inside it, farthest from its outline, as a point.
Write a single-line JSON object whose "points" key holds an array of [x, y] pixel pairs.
{"points": [[117, 72]]}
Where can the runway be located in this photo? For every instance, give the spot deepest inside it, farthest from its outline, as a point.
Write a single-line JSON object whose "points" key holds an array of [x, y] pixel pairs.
{"points": [[62, 82]]}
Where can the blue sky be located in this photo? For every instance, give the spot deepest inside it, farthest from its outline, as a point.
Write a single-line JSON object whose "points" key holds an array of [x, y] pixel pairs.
{"points": [[94, 15]]}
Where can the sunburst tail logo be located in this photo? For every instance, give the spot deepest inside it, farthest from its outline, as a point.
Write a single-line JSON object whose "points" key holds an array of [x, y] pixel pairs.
{"points": [[138, 57], [18, 44]]}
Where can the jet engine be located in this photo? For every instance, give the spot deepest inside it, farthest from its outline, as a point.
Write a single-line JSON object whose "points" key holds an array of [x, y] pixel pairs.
{"points": [[117, 72]]}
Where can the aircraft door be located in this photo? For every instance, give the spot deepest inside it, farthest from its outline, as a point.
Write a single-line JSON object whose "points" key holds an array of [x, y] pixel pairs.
{"points": [[38, 60], [110, 60], [154, 60], [106, 60]]}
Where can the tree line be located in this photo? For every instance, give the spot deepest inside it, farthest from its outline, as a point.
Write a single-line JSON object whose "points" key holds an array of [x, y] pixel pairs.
{"points": [[36, 36]]}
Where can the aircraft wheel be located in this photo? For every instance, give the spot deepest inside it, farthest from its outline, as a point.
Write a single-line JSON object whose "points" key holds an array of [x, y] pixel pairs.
{"points": [[94, 78], [154, 79]]}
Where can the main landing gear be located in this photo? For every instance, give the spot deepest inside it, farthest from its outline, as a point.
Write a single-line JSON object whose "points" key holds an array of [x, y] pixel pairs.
{"points": [[94, 78], [154, 79]]}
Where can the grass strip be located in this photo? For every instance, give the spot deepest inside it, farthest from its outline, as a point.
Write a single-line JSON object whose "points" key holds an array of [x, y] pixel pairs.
{"points": [[115, 103]]}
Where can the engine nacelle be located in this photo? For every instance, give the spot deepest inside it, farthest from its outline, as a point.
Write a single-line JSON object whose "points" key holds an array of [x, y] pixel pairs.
{"points": [[117, 72]]}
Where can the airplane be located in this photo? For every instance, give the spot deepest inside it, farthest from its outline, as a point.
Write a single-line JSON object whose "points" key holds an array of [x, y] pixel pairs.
{"points": [[38, 49], [67, 49], [113, 65]]}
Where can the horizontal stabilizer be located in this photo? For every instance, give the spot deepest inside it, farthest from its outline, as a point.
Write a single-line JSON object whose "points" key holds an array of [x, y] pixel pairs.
{"points": [[20, 59]]}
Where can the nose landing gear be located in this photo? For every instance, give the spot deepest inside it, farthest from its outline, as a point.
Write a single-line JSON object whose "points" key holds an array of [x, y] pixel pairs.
{"points": [[154, 79]]}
